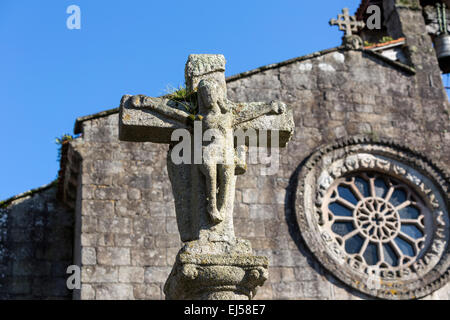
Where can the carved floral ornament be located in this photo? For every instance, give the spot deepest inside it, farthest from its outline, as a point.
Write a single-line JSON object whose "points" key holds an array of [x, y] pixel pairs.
{"points": [[375, 214]]}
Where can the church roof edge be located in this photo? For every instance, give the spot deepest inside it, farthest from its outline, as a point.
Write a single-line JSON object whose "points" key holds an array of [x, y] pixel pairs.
{"points": [[399, 65], [7, 202]]}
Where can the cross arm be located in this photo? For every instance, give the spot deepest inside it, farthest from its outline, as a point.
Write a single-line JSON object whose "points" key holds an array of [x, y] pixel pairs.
{"points": [[144, 118], [252, 110], [262, 116]]}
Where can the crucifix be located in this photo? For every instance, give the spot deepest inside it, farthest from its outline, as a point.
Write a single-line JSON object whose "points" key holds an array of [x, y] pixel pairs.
{"points": [[202, 169]]}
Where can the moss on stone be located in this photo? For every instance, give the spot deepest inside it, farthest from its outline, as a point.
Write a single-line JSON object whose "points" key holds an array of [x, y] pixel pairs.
{"points": [[410, 4]]}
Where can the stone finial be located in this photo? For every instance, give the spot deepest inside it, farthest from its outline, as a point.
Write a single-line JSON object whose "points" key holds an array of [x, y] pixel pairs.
{"points": [[347, 23], [202, 66]]}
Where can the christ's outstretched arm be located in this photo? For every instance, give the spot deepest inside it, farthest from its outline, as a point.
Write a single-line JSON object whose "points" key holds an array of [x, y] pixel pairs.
{"points": [[249, 111], [163, 106]]}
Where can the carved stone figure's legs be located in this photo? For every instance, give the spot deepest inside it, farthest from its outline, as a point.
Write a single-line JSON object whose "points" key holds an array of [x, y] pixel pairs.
{"points": [[224, 175], [210, 172]]}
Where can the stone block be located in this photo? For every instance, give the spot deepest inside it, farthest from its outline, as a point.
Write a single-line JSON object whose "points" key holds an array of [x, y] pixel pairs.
{"points": [[88, 224], [114, 225], [150, 226], [134, 194], [21, 235], [246, 182], [129, 240], [287, 290], [248, 229], [87, 292], [261, 211], [148, 257], [31, 267], [340, 132], [250, 196], [87, 192], [275, 228], [19, 285], [88, 256], [110, 193], [101, 133], [316, 289], [131, 274], [148, 291], [106, 239], [113, 256], [171, 255], [241, 210], [98, 208], [264, 292], [281, 274], [282, 258], [168, 241], [171, 225], [44, 287], [114, 291], [157, 274], [306, 273], [99, 274], [20, 217]]}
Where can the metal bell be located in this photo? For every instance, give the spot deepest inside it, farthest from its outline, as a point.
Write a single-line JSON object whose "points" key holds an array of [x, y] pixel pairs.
{"points": [[442, 46]]}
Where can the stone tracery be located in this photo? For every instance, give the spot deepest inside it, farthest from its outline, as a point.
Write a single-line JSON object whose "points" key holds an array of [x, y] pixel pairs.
{"points": [[377, 219], [375, 214]]}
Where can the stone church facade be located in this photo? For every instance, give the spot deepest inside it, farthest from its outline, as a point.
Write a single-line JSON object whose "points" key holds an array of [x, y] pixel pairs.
{"points": [[375, 117]]}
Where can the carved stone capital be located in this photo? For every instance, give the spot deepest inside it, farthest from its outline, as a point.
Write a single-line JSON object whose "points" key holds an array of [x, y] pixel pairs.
{"points": [[215, 276], [352, 42]]}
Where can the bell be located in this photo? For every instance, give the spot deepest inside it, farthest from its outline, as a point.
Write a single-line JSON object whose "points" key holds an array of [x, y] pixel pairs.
{"points": [[442, 46]]}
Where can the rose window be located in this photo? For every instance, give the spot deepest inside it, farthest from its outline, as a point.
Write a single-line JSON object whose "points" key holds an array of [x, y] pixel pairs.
{"points": [[375, 215], [376, 219]]}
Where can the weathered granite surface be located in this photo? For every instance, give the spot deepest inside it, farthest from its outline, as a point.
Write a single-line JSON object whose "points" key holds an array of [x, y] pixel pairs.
{"points": [[129, 238], [128, 212], [36, 247], [213, 264]]}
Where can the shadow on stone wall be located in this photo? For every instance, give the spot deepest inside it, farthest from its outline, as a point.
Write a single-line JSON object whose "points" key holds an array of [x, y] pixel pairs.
{"points": [[36, 240]]}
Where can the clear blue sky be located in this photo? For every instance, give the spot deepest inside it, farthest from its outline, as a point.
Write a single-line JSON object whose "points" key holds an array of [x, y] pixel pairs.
{"points": [[51, 75]]}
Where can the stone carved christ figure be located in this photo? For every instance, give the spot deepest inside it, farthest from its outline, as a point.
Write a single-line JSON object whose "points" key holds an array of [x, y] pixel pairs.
{"points": [[220, 155], [204, 192], [203, 161], [218, 167]]}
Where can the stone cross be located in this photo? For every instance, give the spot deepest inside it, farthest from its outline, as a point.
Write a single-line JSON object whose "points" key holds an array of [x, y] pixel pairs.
{"points": [[347, 23], [203, 183]]}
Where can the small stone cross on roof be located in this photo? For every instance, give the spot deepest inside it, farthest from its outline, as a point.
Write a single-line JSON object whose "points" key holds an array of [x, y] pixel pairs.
{"points": [[347, 23]]}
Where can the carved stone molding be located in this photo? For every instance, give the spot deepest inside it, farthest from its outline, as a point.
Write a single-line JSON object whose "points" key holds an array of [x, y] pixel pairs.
{"points": [[232, 274], [375, 214], [353, 42]]}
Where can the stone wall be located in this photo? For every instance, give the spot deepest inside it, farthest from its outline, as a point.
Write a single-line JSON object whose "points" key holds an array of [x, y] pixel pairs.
{"points": [[335, 95], [129, 236], [36, 239], [126, 233]]}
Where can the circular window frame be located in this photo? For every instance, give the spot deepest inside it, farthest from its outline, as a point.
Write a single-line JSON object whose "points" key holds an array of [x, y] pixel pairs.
{"points": [[431, 269]]}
